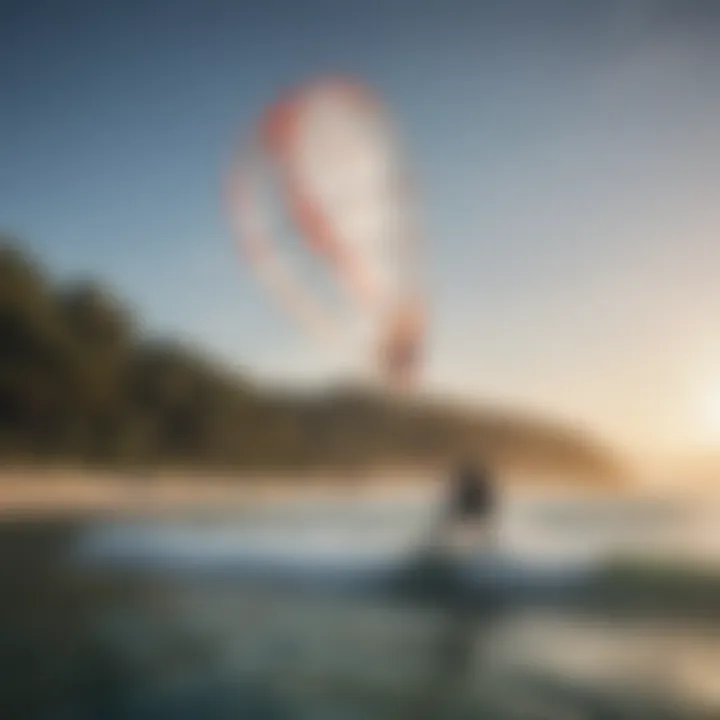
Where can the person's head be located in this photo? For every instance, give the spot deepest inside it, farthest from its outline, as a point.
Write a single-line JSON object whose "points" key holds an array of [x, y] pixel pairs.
{"points": [[473, 469]]}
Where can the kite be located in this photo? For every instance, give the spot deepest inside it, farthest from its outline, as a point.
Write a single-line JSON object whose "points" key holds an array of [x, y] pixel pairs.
{"points": [[324, 164]]}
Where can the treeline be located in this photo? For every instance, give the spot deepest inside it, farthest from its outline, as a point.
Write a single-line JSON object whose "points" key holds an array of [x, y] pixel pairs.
{"points": [[80, 383]]}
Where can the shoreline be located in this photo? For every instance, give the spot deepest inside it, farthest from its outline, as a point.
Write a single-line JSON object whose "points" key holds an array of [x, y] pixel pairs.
{"points": [[70, 490]]}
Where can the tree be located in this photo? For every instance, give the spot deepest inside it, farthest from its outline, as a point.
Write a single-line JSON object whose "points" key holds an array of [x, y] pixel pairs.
{"points": [[79, 382]]}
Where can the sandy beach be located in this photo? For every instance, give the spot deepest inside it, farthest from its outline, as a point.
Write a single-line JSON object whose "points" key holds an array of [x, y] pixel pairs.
{"points": [[61, 491]]}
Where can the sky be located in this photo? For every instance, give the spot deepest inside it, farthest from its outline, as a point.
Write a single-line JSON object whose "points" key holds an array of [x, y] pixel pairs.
{"points": [[567, 156]]}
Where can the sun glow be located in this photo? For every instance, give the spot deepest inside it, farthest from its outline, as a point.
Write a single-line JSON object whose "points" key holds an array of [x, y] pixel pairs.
{"points": [[710, 416]]}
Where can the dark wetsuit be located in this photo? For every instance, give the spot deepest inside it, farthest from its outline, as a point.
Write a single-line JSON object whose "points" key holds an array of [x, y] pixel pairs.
{"points": [[473, 495]]}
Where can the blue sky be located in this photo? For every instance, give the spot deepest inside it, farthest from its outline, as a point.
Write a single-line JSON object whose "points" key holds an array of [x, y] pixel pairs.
{"points": [[568, 158]]}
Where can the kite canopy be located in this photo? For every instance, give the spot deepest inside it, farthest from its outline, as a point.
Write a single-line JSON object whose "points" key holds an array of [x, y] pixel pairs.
{"points": [[325, 160]]}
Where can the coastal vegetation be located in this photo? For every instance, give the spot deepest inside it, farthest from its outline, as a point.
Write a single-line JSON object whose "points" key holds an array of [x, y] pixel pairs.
{"points": [[82, 384]]}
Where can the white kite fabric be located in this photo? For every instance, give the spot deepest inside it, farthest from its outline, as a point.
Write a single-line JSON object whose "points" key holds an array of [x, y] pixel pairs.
{"points": [[335, 163]]}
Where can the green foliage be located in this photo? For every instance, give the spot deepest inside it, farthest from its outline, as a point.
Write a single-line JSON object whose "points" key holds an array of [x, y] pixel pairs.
{"points": [[79, 383]]}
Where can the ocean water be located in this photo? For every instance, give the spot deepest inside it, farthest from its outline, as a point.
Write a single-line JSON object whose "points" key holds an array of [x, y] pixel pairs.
{"points": [[539, 529], [205, 621]]}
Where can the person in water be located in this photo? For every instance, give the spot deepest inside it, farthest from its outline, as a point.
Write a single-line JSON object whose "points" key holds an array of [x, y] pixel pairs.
{"points": [[472, 493], [467, 517], [472, 506]]}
